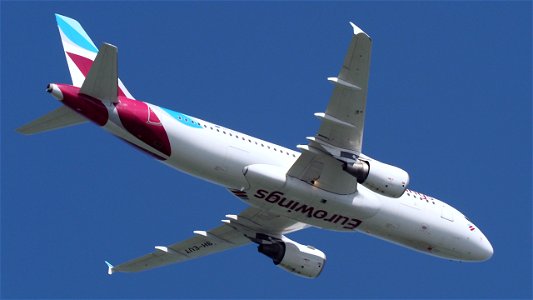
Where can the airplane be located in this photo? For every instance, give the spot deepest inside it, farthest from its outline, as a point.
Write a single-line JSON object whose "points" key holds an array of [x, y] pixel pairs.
{"points": [[329, 183]]}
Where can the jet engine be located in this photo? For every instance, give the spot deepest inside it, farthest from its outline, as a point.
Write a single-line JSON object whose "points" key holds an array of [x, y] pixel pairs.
{"points": [[301, 260], [379, 177]]}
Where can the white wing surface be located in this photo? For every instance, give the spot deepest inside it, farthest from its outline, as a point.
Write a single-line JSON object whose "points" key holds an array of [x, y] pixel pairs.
{"points": [[340, 136], [237, 230]]}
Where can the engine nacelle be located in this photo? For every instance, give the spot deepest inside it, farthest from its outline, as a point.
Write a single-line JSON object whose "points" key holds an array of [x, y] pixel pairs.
{"points": [[296, 258], [379, 177]]}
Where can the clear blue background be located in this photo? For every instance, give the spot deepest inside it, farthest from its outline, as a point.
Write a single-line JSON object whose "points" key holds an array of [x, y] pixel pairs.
{"points": [[449, 101]]}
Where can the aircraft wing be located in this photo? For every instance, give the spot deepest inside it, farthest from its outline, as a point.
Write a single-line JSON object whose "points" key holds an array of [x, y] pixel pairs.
{"points": [[340, 136], [237, 230]]}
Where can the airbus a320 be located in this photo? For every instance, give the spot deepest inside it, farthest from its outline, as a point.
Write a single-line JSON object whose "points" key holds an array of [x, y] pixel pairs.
{"points": [[329, 183]]}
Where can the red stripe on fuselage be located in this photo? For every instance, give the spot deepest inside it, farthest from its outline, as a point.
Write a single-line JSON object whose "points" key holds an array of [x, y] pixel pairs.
{"points": [[87, 106], [136, 117], [139, 120]]}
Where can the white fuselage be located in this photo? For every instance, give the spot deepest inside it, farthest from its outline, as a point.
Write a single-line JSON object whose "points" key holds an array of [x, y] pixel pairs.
{"points": [[224, 156]]}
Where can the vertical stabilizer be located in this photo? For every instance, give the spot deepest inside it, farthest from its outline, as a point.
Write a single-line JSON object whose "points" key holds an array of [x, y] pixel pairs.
{"points": [[79, 49], [80, 52]]}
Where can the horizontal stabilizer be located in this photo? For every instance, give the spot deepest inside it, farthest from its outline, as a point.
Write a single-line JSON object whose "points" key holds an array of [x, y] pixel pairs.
{"points": [[102, 80], [59, 118]]}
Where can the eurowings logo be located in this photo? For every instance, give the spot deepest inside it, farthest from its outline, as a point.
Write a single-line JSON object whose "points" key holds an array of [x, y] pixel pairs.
{"points": [[277, 197]]}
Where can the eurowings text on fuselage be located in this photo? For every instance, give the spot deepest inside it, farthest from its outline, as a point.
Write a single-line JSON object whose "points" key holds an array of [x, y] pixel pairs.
{"points": [[330, 184]]}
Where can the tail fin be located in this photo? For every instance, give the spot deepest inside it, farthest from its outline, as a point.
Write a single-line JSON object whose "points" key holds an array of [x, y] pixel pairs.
{"points": [[80, 52]]}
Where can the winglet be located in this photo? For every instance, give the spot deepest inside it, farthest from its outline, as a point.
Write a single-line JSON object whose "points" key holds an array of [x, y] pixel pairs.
{"points": [[357, 30], [110, 267]]}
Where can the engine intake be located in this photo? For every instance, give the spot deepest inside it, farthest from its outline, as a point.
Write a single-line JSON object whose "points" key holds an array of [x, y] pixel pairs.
{"points": [[293, 257], [379, 177]]}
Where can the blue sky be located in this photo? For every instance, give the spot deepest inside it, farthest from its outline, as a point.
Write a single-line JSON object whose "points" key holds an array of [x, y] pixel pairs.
{"points": [[449, 101]]}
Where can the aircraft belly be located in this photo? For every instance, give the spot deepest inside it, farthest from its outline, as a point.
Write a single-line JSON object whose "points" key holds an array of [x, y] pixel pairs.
{"points": [[271, 190], [307, 212], [415, 228], [198, 152]]}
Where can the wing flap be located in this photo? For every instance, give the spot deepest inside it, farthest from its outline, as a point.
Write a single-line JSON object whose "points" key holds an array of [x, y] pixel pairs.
{"points": [[203, 243], [340, 136], [234, 233]]}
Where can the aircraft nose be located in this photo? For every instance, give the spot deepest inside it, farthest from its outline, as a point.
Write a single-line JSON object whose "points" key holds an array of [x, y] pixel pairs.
{"points": [[483, 249]]}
